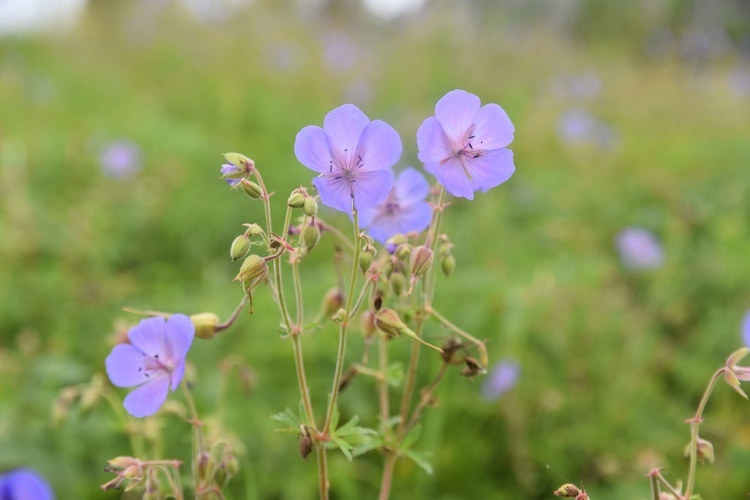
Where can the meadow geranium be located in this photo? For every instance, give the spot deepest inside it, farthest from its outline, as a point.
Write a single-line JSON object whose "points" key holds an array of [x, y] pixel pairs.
{"points": [[464, 145], [639, 248], [501, 379], [404, 210], [120, 159], [353, 156], [153, 362], [24, 484]]}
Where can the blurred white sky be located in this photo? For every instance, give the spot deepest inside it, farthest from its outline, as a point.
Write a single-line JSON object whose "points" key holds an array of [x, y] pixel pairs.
{"points": [[21, 16]]}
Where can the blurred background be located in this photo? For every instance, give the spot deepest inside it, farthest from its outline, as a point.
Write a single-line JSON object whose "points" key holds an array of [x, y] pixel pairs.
{"points": [[612, 269]]}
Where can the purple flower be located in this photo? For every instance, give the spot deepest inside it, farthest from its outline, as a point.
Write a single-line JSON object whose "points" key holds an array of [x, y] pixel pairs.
{"points": [[639, 248], [403, 211], [120, 159], [353, 156], [24, 484], [463, 145], [154, 361], [746, 328], [501, 379], [577, 127], [232, 173]]}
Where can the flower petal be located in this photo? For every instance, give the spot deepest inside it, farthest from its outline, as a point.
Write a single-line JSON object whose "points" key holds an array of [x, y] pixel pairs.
{"points": [[415, 217], [372, 188], [456, 112], [491, 169], [379, 146], [148, 398], [343, 127], [177, 373], [312, 150], [334, 193], [432, 143], [24, 484], [746, 329], [125, 366], [451, 175], [149, 337], [493, 129], [383, 228], [180, 333], [411, 186]]}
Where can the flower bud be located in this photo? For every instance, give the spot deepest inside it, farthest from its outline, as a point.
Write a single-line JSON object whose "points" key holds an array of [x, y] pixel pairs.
{"points": [[567, 491], [297, 199], [421, 260], [305, 446], [366, 256], [398, 283], [251, 189], [403, 251], [448, 265], [444, 250], [310, 207], [392, 243], [310, 236], [705, 450], [367, 324], [232, 172], [253, 230], [332, 302], [121, 463], [205, 467], [253, 270], [240, 160], [232, 466], [388, 322], [240, 247], [205, 324]]}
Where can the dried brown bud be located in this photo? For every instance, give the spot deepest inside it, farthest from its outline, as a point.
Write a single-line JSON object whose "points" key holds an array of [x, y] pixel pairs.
{"points": [[305, 446]]}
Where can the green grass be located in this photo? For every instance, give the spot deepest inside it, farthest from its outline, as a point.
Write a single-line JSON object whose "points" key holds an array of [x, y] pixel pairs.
{"points": [[612, 361]]}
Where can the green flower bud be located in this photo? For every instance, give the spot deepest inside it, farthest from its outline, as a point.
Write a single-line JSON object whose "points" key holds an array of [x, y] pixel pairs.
{"points": [[206, 467], [251, 189], [421, 260], [366, 256], [310, 207], [310, 236], [403, 251], [121, 463], [297, 199], [240, 247], [253, 230], [240, 160], [398, 283], [567, 491], [252, 272], [205, 324], [388, 322], [332, 302], [448, 265], [232, 466], [444, 250]]}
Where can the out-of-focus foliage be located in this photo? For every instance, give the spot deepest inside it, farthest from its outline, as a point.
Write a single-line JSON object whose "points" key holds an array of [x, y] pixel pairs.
{"points": [[612, 360]]}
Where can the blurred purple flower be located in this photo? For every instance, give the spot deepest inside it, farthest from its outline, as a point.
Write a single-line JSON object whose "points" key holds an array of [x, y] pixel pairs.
{"points": [[502, 378], [578, 126], [120, 159], [228, 171], [746, 328], [639, 248], [353, 156], [581, 86], [24, 484], [153, 362], [404, 210], [464, 146]]}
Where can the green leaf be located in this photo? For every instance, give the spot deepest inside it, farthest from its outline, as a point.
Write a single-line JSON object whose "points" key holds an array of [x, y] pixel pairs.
{"points": [[289, 418], [394, 375], [411, 437], [419, 458], [343, 446]]}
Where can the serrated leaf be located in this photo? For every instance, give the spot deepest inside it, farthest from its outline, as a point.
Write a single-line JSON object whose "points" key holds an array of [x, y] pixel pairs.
{"points": [[411, 437], [343, 446], [289, 418], [335, 418], [370, 445], [419, 458]]}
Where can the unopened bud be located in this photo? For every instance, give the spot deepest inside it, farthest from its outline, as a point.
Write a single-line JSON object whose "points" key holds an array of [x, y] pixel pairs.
{"points": [[252, 272], [421, 260], [305, 446], [240, 160], [444, 250], [392, 243], [403, 252], [367, 324], [448, 265], [253, 230], [297, 199], [240, 247], [120, 463], [388, 322], [398, 283], [332, 301], [310, 207], [251, 189], [205, 324], [366, 256], [206, 467], [567, 491], [310, 236], [232, 466], [705, 450], [133, 471]]}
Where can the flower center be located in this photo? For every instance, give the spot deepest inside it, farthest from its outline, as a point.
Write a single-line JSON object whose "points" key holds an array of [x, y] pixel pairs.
{"points": [[391, 208], [154, 364], [471, 149]]}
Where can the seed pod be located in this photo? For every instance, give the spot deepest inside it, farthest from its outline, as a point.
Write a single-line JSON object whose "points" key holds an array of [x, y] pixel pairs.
{"points": [[310, 207], [251, 189], [421, 260], [240, 247], [448, 265], [310, 236]]}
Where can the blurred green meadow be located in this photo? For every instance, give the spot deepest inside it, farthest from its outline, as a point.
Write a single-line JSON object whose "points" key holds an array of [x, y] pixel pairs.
{"points": [[613, 360]]}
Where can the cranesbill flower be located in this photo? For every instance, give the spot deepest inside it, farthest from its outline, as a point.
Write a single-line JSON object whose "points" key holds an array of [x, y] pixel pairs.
{"points": [[404, 210], [24, 484], [120, 159], [153, 362], [639, 248], [501, 379], [464, 146], [353, 156], [746, 328]]}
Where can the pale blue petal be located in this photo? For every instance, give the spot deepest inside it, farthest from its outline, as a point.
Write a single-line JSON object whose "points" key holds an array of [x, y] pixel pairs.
{"points": [[456, 112], [148, 398], [343, 127], [432, 143], [126, 366], [451, 174], [312, 150], [491, 169], [371, 188], [334, 193], [493, 128], [149, 336], [415, 217], [379, 147], [180, 333], [24, 484], [411, 187]]}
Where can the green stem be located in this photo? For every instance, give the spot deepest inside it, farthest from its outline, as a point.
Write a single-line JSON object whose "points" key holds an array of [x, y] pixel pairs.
{"points": [[668, 486], [298, 295], [387, 480], [695, 423], [226, 324], [425, 399], [304, 390], [196, 423], [448, 324], [385, 412], [344, 327], [655, 492], [322, 470]]}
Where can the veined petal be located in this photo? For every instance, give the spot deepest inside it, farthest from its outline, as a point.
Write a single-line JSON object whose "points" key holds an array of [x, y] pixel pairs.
{"points": [[379, 146], [149, 337], [180, 333], [343, 127], [411, 186], [456, 112], [334, 193], [312, 150], [383, 227], [453, 176], [415, 217], [432, 143], [371, 188], [126, 366], [493, 129], [148, 398], [491, 169], [177, 373]]}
